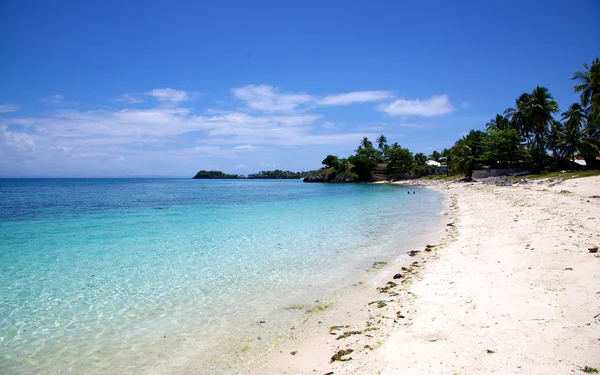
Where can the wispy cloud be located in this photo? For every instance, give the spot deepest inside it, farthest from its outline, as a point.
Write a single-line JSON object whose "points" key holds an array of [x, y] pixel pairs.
{"points": [[6, 108], [128, 98], [269, 99], [246, 148], [157, 138], [356, 97], [169, 95], [54, 99], [434, 106]]}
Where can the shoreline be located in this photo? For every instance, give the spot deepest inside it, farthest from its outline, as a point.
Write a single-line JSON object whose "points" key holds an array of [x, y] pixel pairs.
{"points": [[309, 346], [511, 288]]}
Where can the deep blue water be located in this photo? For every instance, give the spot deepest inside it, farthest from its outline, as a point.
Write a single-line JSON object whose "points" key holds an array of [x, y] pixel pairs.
{"points": [[93, 270]]}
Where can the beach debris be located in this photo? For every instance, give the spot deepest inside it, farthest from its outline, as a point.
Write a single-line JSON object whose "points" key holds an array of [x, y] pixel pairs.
{"points": [[262, 322], [564, 192], [450, 224], [386, 289], [595, 196], [433, 339], [381, 304], [597, 315], [399, 315], [294, 352], [412, 253], [348, 334], [589, 370], [568, 269], [337, 328], [593, 249], [329, 373], [430, 247], [339, 356], [489, 351], [368, 347], [397, 276]]}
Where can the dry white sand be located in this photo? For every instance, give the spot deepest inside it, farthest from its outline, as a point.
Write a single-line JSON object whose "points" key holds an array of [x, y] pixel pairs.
{"points": [[511, 289]]}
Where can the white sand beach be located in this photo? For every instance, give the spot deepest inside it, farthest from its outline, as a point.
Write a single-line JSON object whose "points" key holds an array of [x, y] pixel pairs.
{"points": [[511, 288]]}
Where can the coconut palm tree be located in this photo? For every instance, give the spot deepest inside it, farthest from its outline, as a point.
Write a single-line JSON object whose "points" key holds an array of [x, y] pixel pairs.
{"points": [[518, 116], [578, 136], [365, 144], [590, 85], [575, 114], [554, 141], [498, 123], [435, 156], [539, 111], [382, 143], [467, 152]]}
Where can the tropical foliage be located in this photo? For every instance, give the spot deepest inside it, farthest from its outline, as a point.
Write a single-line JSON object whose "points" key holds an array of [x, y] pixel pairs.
{"points": [[214, 175], [278, 175], [533, 135]]}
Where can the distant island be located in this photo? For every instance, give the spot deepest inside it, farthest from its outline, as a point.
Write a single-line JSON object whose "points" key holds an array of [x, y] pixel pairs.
{"points": [[214, 175], [273, 175]]}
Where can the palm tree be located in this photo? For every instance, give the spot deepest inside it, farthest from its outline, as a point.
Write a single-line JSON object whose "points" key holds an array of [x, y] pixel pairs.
{"points": [[539, 111], [554, 141], [382, 143], [575, 114], [498, 123], [435, 156], [466, 153], [578, 136], [365, 143], [518, 117], [590, 85]]}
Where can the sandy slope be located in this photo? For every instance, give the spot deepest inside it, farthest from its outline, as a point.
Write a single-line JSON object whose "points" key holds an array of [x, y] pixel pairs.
{"points": [[516, 293], [511, 289]]}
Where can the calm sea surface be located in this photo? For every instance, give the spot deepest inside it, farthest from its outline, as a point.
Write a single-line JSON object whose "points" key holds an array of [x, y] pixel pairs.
{"points": [[117, 275]]}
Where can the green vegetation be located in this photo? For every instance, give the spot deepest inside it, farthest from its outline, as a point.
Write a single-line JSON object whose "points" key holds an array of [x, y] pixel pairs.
{"points": [[339, 356], [278, 175], [214, 175], [589, 370], [534, 135]]}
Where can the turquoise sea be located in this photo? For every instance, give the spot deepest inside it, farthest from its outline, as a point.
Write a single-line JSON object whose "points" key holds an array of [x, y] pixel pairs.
{"points": [[120, 275]]}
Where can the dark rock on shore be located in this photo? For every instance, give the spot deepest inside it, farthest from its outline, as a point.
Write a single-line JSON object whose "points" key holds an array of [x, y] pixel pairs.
{"points": [[330, 177]]}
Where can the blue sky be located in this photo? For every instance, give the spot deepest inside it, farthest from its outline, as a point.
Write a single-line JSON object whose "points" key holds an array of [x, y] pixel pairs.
{"points": [[157, 88]]}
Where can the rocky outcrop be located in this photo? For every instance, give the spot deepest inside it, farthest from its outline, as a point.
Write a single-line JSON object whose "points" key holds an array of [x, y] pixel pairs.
{"points": [[330, 177], [380, 173]]}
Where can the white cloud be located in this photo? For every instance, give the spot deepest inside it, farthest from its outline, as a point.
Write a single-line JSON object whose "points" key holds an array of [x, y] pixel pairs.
{"points": [[15, 142], [268, 98], [355, 97], [246, 148], [128, 98], [434, 106], [62, 148], [169, 95], [54, 99], [240, 166], [5, 108]]}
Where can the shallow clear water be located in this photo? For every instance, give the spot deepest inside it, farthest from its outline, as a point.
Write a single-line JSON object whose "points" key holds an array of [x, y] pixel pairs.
{"points": [[98, 274]]}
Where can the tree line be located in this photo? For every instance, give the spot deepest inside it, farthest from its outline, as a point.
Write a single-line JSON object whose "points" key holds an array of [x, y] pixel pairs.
{"points": [[276, 174], [535, 134]]}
